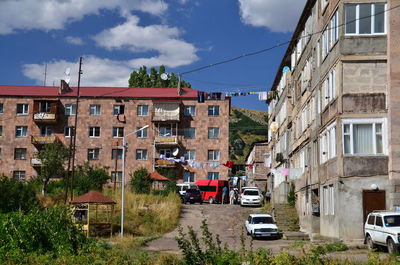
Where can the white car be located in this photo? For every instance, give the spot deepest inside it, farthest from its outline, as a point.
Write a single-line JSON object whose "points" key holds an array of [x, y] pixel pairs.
{"points": [[251, 196], [182, 187], [383, 228], [261, 225]]}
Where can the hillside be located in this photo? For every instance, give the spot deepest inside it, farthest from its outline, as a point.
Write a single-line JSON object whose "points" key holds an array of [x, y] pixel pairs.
{"points": [[245, 127]]}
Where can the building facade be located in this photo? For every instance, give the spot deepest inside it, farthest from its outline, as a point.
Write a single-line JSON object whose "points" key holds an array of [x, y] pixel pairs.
{"points": [[178, 127], [334, 104], [257, 174]]}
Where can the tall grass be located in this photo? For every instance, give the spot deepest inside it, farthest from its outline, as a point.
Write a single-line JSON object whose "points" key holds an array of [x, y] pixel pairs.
{"points": [[146, 214]]}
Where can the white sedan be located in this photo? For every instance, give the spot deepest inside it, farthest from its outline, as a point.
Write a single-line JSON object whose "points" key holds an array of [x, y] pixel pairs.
{"points": [[261, 225]]}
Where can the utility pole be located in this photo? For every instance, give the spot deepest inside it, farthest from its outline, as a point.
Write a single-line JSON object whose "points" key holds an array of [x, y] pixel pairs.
{"points": [[75, 127], [71, 131], [45, 75]]}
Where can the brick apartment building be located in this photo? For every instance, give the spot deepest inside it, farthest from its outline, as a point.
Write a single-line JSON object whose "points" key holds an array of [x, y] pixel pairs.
{"points": [[32, 116], [257, 174], [335, 102]]}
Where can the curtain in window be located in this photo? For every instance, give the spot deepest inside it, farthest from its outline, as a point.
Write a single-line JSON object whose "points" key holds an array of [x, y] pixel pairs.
{"points": [[362, 138]]}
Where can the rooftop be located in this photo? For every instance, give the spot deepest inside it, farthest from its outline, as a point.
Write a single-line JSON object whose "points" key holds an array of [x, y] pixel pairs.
{"points": [[93, 197]]}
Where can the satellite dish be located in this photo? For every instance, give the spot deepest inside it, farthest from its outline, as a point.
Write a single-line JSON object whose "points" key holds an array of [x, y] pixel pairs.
{"points": [[274, 126], [175, 151], [164, 76], [68, 71], [285, 69]]}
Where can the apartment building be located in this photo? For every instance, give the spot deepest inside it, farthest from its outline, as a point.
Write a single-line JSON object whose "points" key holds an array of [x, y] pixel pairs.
{"points": [[178, 127], [335, 103], [257, 173]]}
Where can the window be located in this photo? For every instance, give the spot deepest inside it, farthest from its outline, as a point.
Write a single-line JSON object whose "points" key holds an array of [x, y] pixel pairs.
{"points": [[371, 220], [44, 106], [119, 176], [331, 200], [213, 175], [114, 153], [334, 30], [379, 221], [188, 177], [213, 110], [213, 155], [364, 137], [119, 109], [70, 109], [118, 132], [328, 143], [190, 111], [365, 19], [328, 201], [46, 130], [142, 133], [1, 108], [143, 110], [94, 110], [189, 132], [68, 131], [21, 131], [1, 130], [141, 154], [165, 131], [325, 43], [20, 154], [22, 109], [94, 132], [93, 154], [330, 87], [190, 155], [213, 133], [19, 175], [165, 152]]}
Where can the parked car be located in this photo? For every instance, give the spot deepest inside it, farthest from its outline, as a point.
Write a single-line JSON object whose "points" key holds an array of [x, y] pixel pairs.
{"points": [[383, 228], [261, 225], [183, 187], [212, 189], [192, 196], [251, 196]]}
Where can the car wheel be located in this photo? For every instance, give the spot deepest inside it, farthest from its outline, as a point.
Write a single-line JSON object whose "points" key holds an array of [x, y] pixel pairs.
{"points": [[390, 246], [370, 244], [211, 200]]}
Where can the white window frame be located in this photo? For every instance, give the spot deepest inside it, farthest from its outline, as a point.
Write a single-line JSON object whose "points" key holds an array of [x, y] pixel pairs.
{"points": [[329, 85], [93, 153], [141, 154], [48, 130], [144, 133], [19, 175], [21, 131], [143, 110], [117, 132], [20, 153], [192, 177], [95, 110], [328, 143], [25, 109], [116, 152], [189, 133], [93, 130], [334, 30], [374, 121], [165, 152], [214, 175], [117, 109], [357, 20], [190, 110], [214, 109], [325, 43], [70, 109], [331, 189], [213, 155], [213, 133], [119, 176], [68, 131], [190, 154]]}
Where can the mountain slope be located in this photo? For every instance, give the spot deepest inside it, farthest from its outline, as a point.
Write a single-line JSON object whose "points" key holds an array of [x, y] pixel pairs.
{"points": [[245, 127]]}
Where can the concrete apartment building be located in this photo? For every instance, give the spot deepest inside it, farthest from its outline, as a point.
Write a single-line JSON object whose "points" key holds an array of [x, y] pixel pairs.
{"points": [[336, 102], [258, 173], [32, 116]]}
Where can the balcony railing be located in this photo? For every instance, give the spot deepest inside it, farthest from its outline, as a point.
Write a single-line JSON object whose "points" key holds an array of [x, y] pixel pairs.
{"points": [[45, 117], [38, 139], [45, 113], [164, 163], [166, 140]]}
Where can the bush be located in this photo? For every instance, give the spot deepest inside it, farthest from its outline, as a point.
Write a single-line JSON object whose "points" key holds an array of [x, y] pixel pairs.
{"points": [[39, 231], [16, 195], [87, 178], [140, 181], [291, 196]]}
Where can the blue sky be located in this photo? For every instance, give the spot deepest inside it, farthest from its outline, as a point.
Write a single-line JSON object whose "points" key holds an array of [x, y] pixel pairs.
{"points": [[116, 37]]}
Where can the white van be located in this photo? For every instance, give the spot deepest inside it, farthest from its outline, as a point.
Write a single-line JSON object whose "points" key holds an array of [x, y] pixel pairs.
{"points": [[182, 187]]}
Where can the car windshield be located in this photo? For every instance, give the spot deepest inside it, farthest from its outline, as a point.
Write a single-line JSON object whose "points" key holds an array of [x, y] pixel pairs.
{"points": [[263, 220], [392, 220], [251, 192]]}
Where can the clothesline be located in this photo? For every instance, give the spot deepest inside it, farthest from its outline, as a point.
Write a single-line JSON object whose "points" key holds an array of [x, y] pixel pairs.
{"points": [[201, 95]]}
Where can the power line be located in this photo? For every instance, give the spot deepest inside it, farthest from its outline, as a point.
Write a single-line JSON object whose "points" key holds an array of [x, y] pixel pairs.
{"points": [[279, 44]]}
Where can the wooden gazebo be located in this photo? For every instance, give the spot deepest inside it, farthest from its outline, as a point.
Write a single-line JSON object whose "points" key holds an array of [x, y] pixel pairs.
{"points": [[94, 211]]}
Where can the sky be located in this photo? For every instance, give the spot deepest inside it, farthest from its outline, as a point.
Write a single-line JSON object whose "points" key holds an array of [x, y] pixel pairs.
{"points": [[116, 37]]}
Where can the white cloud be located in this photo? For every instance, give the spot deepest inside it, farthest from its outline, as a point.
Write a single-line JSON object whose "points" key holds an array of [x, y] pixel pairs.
{"points": [[278, 16], [55, 14], [130, 36], [74, 40]]}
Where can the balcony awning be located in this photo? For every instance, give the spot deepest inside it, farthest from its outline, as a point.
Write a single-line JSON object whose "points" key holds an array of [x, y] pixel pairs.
{"points": [[163, 111]]}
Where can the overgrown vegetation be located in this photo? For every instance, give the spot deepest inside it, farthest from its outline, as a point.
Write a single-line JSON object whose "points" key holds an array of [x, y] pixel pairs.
{"points": [[291, 198], [140, 181]]}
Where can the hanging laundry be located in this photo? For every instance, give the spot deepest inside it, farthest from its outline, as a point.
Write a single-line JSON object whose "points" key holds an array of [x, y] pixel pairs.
{"points": [[262, 96], [200, 97], [208, 96], [182, 159], [229, 164], [222, 96]]}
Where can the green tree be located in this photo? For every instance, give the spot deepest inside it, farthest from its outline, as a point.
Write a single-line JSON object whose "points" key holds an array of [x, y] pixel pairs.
{"points": [[89, 178], [141, 78], [53, 157], [140, 181]]}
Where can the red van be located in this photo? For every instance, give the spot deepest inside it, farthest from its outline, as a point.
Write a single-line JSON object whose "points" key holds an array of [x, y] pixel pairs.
{"points": [[212, 189]]}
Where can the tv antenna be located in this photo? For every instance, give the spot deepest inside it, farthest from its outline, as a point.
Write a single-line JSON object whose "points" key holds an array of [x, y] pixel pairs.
{"points": [[67, 75]]}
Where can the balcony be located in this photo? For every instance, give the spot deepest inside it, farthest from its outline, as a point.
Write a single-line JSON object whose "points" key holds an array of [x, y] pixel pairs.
{"points": [[166, 140], [166, 111], [45, 111], [38, 139], [36, 162], [164, 163]]}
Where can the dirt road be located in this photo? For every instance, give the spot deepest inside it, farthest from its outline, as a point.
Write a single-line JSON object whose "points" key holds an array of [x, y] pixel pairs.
{"points": [[225, 220]]}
